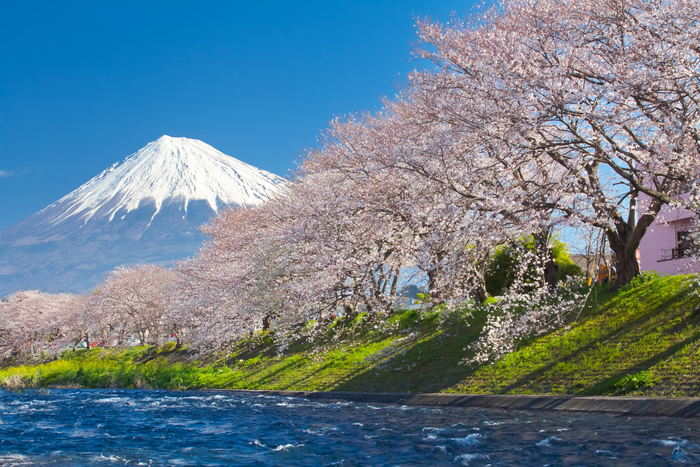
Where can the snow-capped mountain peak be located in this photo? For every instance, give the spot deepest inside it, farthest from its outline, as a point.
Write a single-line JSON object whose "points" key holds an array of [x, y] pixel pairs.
{"points": [[168, 169], [146, 209]]}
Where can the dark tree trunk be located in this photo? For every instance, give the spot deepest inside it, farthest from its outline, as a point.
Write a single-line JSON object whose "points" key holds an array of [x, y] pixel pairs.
{"points": [[350, 311], [551, 274], [546, 259], [479, 293], [477, 278], [624, 241], [432, 284], [433, 289], [395, 282], [77, 342], [627, 267], [267, 322]]}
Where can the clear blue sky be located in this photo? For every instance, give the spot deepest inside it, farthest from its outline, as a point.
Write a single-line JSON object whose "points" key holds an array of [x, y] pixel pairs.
{"points": [[84, 84]]}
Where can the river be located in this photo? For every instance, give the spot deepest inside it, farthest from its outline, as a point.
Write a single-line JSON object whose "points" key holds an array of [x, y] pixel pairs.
{"points": [[138, 427]]}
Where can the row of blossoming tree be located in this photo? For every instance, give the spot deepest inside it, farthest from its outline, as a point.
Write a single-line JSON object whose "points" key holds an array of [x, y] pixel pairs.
{"points": [[534, 114]]}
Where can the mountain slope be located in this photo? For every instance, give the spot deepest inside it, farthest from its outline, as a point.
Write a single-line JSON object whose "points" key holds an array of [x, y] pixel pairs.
{"points": [[146, 208]]}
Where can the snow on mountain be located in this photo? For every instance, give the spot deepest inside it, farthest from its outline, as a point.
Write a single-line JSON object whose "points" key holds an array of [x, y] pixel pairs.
{"points": [[147, 208], [168, 168]]}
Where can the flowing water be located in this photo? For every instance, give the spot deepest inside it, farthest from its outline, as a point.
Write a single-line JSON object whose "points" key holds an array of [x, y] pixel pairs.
{"points": [[133, 427]]}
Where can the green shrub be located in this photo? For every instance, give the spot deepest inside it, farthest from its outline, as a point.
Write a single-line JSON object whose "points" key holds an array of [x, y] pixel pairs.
{"points": [[645, 277], [634, 382], [168, 346], [567, 267], [503, 264]]}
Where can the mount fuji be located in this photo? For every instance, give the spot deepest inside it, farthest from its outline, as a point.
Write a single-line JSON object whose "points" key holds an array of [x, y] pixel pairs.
{"points": [[145, 209]]}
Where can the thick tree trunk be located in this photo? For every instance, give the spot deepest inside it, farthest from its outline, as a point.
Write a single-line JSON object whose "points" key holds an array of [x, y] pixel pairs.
{"points": [[476, 278], [267, 322], [433, 287], [551, 274], [627, 266], [395, 282], [624, 241], [432, 284], [479, 293], [77, 342], [350, 311], [546, 259]]}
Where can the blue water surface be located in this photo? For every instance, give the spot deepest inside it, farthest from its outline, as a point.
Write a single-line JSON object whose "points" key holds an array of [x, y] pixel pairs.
{"points": [[138, 427]]}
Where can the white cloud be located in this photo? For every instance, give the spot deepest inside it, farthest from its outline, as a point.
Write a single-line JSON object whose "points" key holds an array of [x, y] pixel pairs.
{"points": [[13, 173]]}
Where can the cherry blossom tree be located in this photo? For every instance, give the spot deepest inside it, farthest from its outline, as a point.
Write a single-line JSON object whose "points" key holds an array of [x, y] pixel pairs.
{"points": [[212, 300], [132, 301], [344, 253], [32, 321], [447, 229], [298, 257], [603, 93]]}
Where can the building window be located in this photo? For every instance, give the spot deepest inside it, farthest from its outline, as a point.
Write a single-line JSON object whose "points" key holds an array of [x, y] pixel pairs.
{"points": [[685, 244]]}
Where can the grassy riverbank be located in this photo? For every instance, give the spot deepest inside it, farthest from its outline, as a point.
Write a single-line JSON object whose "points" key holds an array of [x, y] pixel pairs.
{"points": [[644, 340]]}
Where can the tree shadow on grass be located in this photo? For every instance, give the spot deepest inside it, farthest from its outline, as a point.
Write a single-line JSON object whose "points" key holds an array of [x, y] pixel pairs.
{"points": [[289, 372], [591, 346], [261, 377], [607, 385], [434, 364], [427, 366], [330, 374]]}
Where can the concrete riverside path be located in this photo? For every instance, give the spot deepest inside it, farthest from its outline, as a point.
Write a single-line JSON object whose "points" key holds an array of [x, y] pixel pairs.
{"points": [[681, 407]]}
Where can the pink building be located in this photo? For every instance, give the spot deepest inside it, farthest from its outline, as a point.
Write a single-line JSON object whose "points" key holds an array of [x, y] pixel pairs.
{"points": [[665, 246]]}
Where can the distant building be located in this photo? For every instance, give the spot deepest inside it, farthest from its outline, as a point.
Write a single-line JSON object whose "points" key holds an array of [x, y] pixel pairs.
{"points": [[666, 245], [407, 297]]}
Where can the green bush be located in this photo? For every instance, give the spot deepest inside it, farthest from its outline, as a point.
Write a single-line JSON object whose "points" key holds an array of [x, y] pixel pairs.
{"points": [[634, 382], [503, 264], [645, 277], [168, 346], [562, 256]]}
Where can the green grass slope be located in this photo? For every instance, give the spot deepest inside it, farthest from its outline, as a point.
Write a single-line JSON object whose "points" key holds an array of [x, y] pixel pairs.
{"points": [[644, 340]]}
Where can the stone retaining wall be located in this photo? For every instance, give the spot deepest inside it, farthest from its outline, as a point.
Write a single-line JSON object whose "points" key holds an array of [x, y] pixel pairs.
{"points": [[684, 407]]}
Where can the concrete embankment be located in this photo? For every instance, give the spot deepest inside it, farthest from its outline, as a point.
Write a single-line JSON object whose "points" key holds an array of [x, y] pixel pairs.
{"points": [[682, 407]]}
